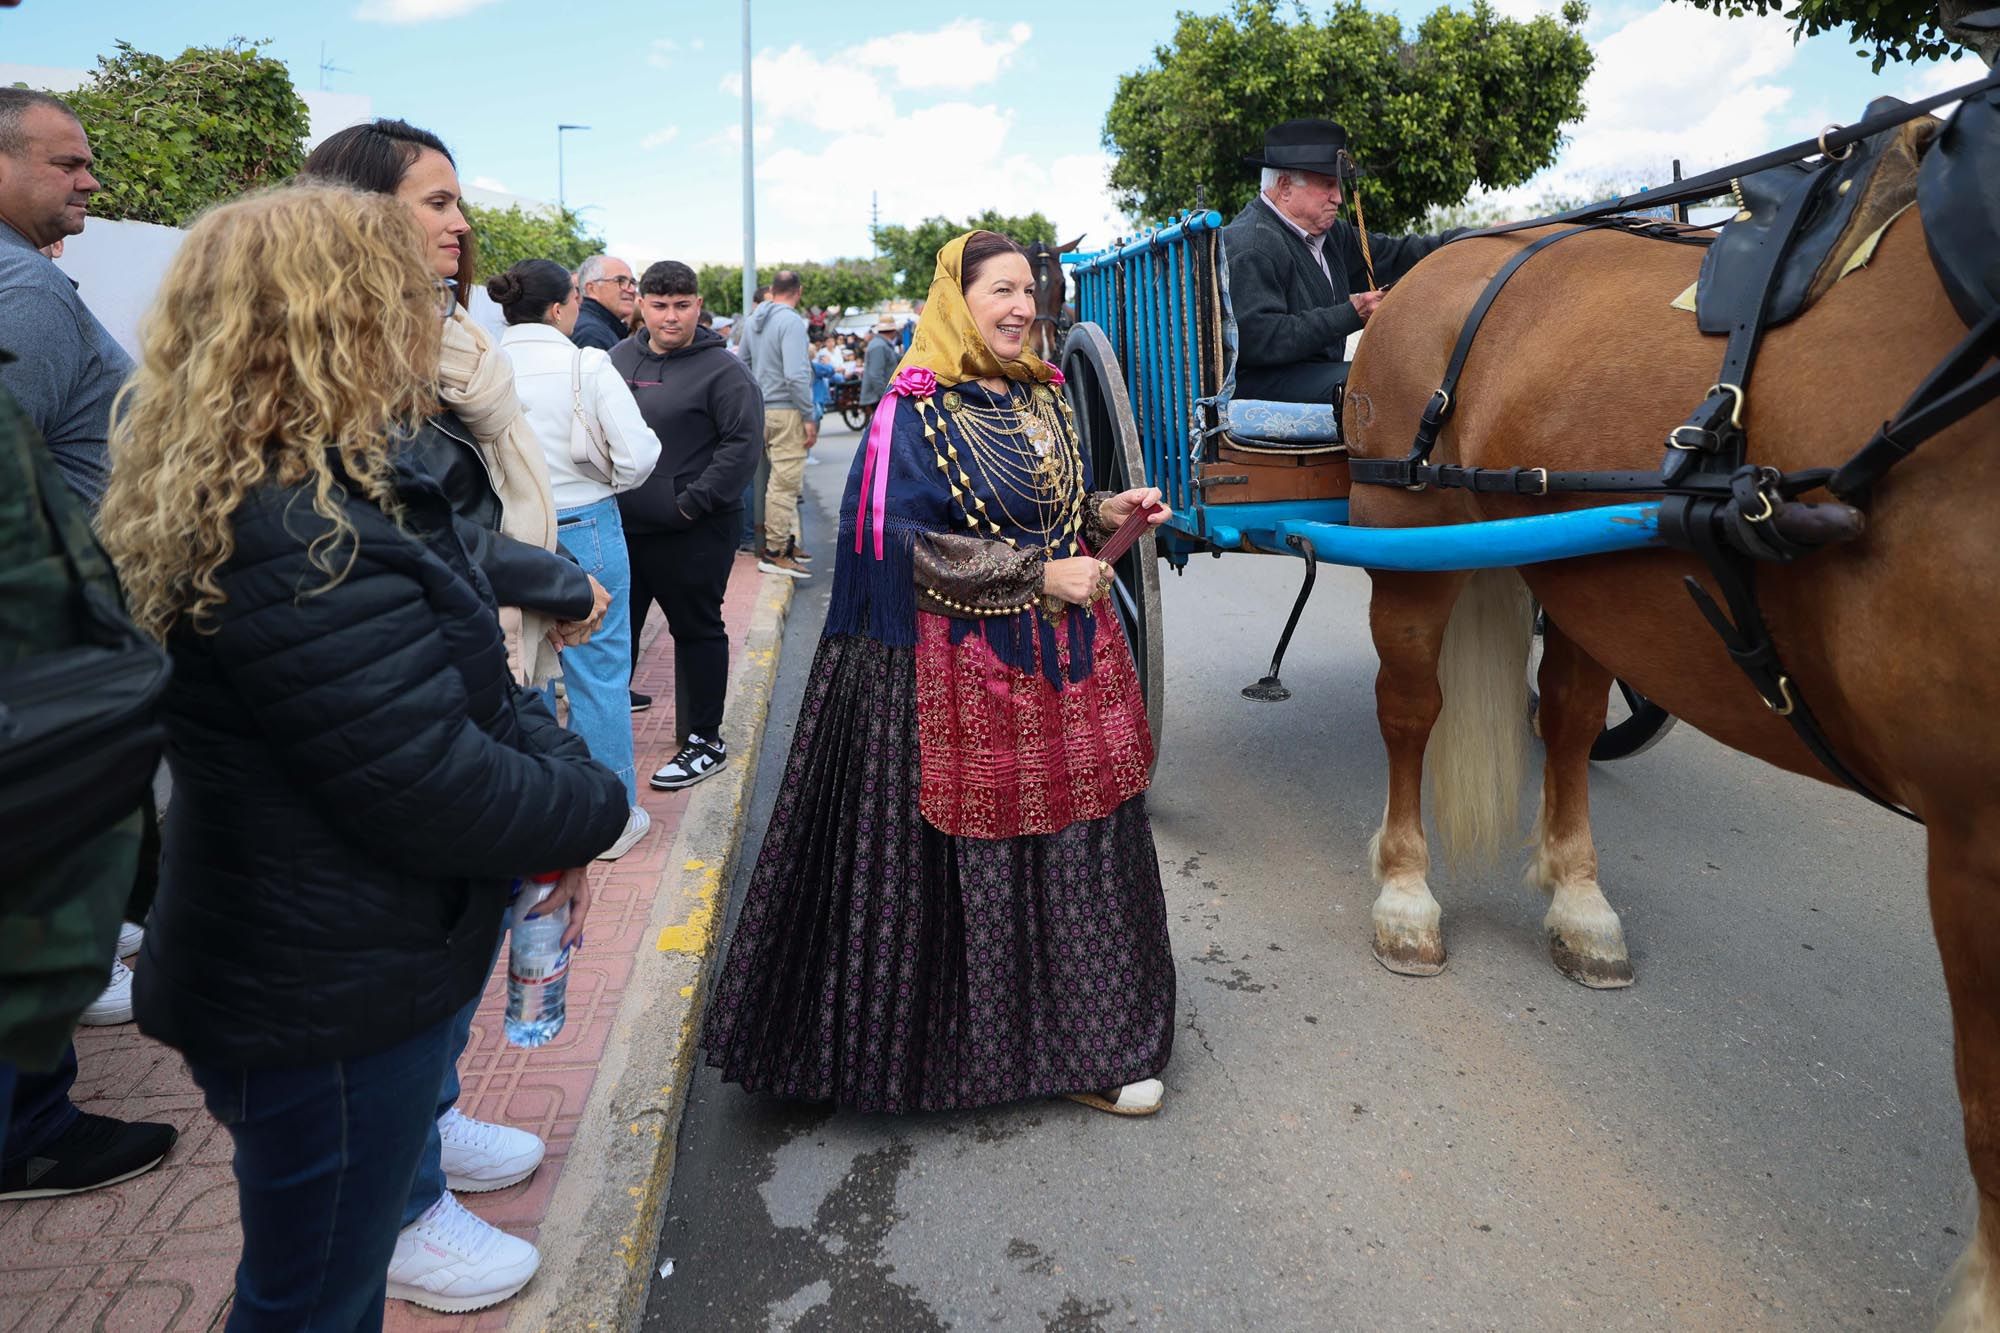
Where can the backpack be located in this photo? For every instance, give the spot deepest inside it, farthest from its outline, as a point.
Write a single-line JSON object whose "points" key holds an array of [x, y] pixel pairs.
{"points": [[80, 727]]}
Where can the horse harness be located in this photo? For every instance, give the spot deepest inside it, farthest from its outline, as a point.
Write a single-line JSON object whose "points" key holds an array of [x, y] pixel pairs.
{"points": [[1718, 505]]}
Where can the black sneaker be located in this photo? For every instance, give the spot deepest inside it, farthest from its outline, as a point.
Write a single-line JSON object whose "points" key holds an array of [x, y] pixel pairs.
{"points": [[640, 702], [696, 760], [94, 1152]]}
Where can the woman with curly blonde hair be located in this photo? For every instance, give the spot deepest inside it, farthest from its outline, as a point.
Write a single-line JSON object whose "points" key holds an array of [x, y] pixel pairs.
{"points": [[357, 776]]}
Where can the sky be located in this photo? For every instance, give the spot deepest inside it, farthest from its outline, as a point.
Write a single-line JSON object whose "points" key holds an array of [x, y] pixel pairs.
{"points": [[915, 111]]}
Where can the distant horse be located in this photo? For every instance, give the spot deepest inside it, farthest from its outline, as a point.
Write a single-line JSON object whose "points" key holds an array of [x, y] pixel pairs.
{"points": [[1052, 317], [1892, 638]]}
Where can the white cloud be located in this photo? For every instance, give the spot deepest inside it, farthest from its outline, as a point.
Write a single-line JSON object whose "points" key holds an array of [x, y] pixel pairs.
{"points": [[697, 44], [415, 11], [794, 84], [661, 137], [1940, 76], [660, 55], [489, 183], [965, 53]]}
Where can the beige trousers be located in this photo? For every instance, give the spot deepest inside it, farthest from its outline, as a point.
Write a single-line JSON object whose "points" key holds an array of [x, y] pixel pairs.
{"points": [[785, 445]]}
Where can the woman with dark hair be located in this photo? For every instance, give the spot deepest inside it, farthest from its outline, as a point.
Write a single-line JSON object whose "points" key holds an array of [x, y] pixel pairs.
{"points": [[597, 446], [480, 450], [958, 902]]}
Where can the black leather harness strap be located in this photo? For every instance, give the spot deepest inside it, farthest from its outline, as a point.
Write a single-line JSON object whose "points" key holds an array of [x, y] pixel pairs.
{"points": [[1403, 471], [1948, 394]]}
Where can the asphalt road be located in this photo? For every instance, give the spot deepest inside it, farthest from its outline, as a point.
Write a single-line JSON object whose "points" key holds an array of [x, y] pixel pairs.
{"points": [[1762, 1132]]}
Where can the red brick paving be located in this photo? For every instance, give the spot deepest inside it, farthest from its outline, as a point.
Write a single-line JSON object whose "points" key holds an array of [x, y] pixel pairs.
{"points": [[157, 1253]]}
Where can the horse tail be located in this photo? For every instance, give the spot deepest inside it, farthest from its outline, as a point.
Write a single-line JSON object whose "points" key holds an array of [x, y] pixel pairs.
{"points": [[1478, 753]]}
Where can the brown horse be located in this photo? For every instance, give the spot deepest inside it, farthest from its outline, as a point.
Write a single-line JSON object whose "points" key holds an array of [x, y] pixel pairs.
{"points": [[1892, 639], [1052, 317]]}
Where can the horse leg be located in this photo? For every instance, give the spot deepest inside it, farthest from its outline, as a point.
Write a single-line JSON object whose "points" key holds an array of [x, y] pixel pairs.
{"points": [[1407, 617], [1586, 943], [1965, 894]]}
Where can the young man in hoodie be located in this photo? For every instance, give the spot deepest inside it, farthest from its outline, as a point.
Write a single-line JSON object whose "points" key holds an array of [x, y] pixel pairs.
{"points": [[775, 348], [681, 526]]}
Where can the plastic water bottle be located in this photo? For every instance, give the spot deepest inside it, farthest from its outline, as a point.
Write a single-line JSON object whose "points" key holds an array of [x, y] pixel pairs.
{"points": [[537, 966]]}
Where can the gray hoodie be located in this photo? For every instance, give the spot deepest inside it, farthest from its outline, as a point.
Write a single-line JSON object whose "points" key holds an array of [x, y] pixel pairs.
{"points": [[774, 347]]}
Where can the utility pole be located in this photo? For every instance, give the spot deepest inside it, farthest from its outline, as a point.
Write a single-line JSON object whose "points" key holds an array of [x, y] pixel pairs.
{"points": [[562, 205], [749, 173], [875, 221]]}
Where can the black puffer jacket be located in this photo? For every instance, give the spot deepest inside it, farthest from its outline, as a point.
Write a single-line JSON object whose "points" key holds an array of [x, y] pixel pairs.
{"points": [[356, 781]]}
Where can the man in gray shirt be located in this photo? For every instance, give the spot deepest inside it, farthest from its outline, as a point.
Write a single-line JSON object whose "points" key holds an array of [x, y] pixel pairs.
{"points": [[67, 368], [775, 348]]}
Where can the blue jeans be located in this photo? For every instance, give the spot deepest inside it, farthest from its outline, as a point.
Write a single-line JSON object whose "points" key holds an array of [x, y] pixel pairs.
{"points": [[35, 1109], [324, 1159], [598, 675], [428, 1186]]}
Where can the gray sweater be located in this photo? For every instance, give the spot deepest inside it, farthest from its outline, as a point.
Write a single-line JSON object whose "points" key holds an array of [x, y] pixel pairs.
{"points": [[66, 367], [774, 347]]}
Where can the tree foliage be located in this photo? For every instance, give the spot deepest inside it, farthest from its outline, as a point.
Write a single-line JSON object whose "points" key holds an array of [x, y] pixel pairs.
{"points": [[1885, 29], [173, 136], [844, 283], [503, 238], [1475, 99], [912, 251]]}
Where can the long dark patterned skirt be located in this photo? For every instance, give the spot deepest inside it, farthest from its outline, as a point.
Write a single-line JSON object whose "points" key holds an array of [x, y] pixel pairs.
{"points": [[886, 966]]}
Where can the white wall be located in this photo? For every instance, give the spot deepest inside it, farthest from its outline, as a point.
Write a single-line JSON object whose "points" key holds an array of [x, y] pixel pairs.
{"points": [[117, 266]]}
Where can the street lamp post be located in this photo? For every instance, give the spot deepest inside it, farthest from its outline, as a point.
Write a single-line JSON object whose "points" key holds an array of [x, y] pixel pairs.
{"points": [[562, 205], [749, 168]]}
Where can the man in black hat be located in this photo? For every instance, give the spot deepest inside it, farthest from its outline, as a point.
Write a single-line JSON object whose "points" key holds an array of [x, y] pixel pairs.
{"points": [[1297, 282]]}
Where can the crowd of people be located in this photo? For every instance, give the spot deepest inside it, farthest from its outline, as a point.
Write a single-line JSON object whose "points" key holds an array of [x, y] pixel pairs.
{"points": [[385, 552]]}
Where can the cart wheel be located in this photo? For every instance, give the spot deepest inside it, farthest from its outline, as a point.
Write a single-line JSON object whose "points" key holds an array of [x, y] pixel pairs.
{"points": [[1113, 461], [855, 417], [1640, 732]]}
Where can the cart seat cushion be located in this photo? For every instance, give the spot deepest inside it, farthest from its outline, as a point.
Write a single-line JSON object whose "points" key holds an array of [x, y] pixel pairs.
{"points": [[1263, 421]]}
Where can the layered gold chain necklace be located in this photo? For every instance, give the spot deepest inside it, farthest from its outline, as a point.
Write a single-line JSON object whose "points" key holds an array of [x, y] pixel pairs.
{"points": [[1024, 448]]}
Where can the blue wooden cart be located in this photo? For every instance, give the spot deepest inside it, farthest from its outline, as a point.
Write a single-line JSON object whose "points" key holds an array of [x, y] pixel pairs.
{"points": [[1150, 369]]}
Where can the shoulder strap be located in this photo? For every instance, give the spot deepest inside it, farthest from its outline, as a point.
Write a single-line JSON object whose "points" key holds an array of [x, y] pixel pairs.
{"points": [[588, 450]]}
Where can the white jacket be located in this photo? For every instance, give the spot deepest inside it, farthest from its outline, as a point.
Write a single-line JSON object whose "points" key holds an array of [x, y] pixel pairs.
{"points": [[542, 359]]}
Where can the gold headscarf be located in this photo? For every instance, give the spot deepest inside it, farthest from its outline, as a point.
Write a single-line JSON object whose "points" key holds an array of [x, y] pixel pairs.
{"points": [[947, 342]]}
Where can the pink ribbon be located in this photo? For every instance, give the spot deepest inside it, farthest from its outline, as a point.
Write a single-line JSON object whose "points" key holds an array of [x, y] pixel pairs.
{"points": [[875, 472]]}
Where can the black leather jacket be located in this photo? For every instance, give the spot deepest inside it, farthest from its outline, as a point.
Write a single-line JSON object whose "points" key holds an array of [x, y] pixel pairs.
{"points": [[522, 575]]}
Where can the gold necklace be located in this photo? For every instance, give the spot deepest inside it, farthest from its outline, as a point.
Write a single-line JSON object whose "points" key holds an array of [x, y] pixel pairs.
{"points": [[1052, 481]]}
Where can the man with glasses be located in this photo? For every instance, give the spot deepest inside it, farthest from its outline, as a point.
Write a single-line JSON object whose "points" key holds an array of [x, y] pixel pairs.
{"points": [[609, 296], [1297, 282]]}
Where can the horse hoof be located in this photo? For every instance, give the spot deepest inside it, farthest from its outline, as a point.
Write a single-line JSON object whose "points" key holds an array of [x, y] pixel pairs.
{"points": [[1411, 958], [1599, 971]]}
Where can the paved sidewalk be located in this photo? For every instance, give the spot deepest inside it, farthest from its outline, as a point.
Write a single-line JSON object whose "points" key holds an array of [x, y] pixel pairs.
{"points": [[158, 1252]]}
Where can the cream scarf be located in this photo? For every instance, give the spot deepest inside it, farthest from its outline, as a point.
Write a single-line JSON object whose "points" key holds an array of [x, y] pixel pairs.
{"points": [[478, 383]]}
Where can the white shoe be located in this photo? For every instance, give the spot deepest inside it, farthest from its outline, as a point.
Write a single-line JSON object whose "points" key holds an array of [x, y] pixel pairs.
{"points": [[130, 937], [115, 1004], [479, 1157], [451, 1261], [637, 825], [1141, 1098]]}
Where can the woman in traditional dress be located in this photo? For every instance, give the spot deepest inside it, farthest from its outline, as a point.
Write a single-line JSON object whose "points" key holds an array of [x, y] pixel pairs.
{"points": [[958, 902]]}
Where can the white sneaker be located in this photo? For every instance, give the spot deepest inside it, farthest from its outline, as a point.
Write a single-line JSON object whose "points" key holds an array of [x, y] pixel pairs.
{"points": [[115, 1004], [130, 937], [451, 1261], [637, 825], [479, 1157]]}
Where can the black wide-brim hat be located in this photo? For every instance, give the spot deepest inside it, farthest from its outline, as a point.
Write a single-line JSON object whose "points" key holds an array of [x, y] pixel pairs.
{"points": [[1305, 145]]}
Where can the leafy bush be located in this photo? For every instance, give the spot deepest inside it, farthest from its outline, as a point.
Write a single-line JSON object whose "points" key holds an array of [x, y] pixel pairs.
{"points": [[503, 238], [173, 136]]}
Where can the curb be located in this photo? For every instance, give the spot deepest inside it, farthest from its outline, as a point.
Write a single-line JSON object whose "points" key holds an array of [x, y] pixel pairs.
{"points": [[603, 1224]]}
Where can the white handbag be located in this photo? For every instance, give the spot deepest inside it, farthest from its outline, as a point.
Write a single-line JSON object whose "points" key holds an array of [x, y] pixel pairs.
{"points": [[589, 451]]}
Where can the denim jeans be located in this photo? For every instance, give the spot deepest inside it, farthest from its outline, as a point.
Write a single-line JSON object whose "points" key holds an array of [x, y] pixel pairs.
{"points": [[35, 1109], [324, 1158], [427, 1185], [598, 675]]}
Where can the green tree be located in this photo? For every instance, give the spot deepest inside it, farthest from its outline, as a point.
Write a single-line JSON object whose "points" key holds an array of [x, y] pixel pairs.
{"points": [[1886, 29], [1475, 99], [911, 252], [173, 136], [862, 283], [502, 239]]}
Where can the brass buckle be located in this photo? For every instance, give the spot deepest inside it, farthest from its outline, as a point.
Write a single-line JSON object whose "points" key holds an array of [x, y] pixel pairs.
{"points": [[1830, 156], [1736, 410], [1545, 479], [1785, 693], [1768, 509], [1674, 439]]}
